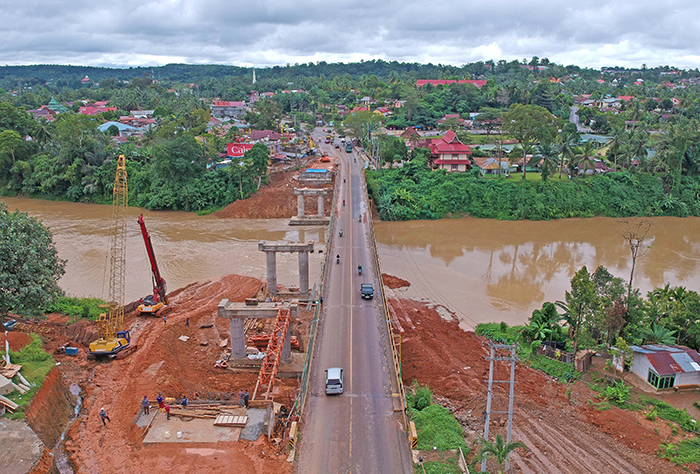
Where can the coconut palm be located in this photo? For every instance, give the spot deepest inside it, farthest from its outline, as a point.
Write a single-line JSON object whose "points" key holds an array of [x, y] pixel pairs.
{"points": [[566, 150], [584, 160], [658, 334], [549, 159], [499, 450]]}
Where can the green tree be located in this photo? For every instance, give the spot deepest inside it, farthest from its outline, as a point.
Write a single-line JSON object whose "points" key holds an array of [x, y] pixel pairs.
{"points": [[529, 124], [29, 265], [259, 157], [266, 115], [9, 141], [500, 450], [580, 304], [549, 155]]}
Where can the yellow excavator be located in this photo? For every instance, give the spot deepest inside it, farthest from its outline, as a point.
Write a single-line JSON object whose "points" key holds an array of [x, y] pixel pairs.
{"points": [[113, 339]]}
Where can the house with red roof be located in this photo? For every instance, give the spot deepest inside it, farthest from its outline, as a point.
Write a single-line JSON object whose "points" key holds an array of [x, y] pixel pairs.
{"points": [[94, 110], [449, 153], [454, 117], [664, 367]]}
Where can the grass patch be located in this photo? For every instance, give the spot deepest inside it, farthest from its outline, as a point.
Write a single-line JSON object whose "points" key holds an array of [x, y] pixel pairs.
{"points": [[36, 363], [77, 308], [437, 428], [687, 451], [206, 212], [555, 368], [448, 465], [500, 333], [667, 412]]}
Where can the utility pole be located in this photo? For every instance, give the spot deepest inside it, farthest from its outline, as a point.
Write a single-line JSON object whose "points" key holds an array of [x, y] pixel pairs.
{"points": [[493, 358]]}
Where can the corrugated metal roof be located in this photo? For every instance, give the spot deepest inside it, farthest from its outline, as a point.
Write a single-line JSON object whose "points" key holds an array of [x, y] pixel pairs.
{"points": [[684, 361], [668, 360], [664, 364]]}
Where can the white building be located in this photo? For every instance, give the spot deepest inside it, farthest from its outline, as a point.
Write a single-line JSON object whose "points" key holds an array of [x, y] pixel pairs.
{"points": [[666, 367]]}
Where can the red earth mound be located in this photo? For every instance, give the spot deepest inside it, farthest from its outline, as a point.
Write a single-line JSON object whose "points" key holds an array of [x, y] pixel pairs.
{"points": [[561, 432], [276, 199], [393, 282]]}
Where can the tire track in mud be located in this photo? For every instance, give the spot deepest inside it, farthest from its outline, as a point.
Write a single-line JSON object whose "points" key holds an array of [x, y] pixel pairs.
{"points": [[553, 450]]}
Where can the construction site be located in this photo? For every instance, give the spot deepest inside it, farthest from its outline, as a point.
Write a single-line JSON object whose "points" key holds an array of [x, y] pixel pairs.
{"points": [[200, 346]]}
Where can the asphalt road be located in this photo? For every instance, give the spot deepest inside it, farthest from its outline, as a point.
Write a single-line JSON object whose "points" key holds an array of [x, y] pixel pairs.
{"points": [[358, 431]]}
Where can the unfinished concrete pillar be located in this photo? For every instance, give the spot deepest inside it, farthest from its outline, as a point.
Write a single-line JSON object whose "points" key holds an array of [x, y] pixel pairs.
{"points": [[271, 260], [237, 338], [287, 346], [300, 205], [303, 272], [321, 203]]}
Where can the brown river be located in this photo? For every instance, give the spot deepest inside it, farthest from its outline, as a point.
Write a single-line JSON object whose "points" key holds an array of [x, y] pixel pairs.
{"points": [[481, 270]]}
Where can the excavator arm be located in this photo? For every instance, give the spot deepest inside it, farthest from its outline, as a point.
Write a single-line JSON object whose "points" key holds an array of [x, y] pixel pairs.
{"points": [[152, 303]]}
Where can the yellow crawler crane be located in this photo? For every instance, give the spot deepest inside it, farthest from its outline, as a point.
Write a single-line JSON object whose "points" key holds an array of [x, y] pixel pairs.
{"points": [[112, 339]]}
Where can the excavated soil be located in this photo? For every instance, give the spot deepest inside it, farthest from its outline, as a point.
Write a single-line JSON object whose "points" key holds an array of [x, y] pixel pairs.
{"points": [[161, 364], [17, 340], [390, 281], [563, 435], [277, 199]]}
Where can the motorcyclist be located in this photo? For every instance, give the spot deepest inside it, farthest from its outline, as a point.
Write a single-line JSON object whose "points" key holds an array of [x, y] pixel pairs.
{"points": [[343, 202], [337, 258], [359, 218], [341, 232], [359, 269]]}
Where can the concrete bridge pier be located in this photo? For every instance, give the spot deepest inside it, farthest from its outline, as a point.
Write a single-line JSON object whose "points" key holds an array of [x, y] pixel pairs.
{"points": [[301, 218], [271, 248], [237, 313]]}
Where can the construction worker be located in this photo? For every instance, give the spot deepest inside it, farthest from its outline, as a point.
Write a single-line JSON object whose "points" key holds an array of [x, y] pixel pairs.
{"points": [[240, 398], [103, 416], [167, 411], [185, 401], [145, 405], [161, 405], [245, 398]]}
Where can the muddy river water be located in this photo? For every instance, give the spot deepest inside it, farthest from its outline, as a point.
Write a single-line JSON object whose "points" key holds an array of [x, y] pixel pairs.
{"points": [[482, 270]]}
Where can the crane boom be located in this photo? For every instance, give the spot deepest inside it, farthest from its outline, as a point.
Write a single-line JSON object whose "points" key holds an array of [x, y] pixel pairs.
{"points": [[112, 338], [152, 303]]}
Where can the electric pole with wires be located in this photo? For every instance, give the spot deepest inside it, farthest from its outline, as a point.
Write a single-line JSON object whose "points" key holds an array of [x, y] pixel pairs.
{"points": [[512, 358]]}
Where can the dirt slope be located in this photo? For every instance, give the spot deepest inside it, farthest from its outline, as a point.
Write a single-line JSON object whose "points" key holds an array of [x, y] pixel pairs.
{"points": [[562, 436], [165, 364]]}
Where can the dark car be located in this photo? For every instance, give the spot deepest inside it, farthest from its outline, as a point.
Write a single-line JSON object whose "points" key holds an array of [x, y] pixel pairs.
{"points": [[366, 291]]}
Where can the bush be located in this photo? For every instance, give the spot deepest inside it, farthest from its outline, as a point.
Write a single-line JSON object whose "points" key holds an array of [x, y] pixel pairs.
{"points": [[618, 392], [555, 368], [687, 451], [78, 307], [36, 363], [437, 428], [670, 413], [501, 333], [418, 397]]}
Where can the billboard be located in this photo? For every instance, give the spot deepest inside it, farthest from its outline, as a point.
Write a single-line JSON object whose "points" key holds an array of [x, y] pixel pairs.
{"points": [[237, 149]]}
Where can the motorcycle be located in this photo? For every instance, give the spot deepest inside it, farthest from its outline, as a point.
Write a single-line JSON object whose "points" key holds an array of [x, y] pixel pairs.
{"points": [[341, 232], [337, 259], [359, 218], [359, 270]]}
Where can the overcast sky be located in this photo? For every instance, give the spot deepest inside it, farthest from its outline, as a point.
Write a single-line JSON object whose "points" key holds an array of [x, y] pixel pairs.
{"points": [[591, 33]]}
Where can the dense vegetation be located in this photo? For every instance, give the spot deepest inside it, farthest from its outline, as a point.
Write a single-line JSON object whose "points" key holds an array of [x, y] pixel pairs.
{"points": [[416, 192], [36, 363], [70, 158]]}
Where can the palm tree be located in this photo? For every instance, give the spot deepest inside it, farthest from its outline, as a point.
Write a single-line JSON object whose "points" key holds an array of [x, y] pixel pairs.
{"points": [[584, 160], [499, 450], [659, 335], [549, 159], [566, 150]]}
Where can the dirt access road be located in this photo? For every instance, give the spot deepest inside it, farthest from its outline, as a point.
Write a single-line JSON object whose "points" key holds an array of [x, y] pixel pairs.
{"points": [[562, 435]]}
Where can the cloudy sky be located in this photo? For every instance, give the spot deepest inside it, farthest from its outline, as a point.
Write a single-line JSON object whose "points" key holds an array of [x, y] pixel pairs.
{"points": [[590, 33]]}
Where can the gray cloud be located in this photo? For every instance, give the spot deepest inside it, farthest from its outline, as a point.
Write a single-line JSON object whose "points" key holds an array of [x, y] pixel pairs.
{"points": [[269, 32]]}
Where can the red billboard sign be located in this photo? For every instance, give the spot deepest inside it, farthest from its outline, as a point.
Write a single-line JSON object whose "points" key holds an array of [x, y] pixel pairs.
{"points": [[237, 149]]}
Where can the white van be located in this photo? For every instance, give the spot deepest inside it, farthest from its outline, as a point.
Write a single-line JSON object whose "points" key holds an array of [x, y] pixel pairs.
{"points": [[334, 380]]}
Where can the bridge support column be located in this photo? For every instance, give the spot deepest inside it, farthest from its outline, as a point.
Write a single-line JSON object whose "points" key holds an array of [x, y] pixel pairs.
{"points": [[303, 272], [271, 260], [300, 205], [321, 210], [237, 338]]}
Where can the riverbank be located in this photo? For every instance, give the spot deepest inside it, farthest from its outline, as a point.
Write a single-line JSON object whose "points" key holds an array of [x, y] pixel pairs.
{"points": [[562, 433]]}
